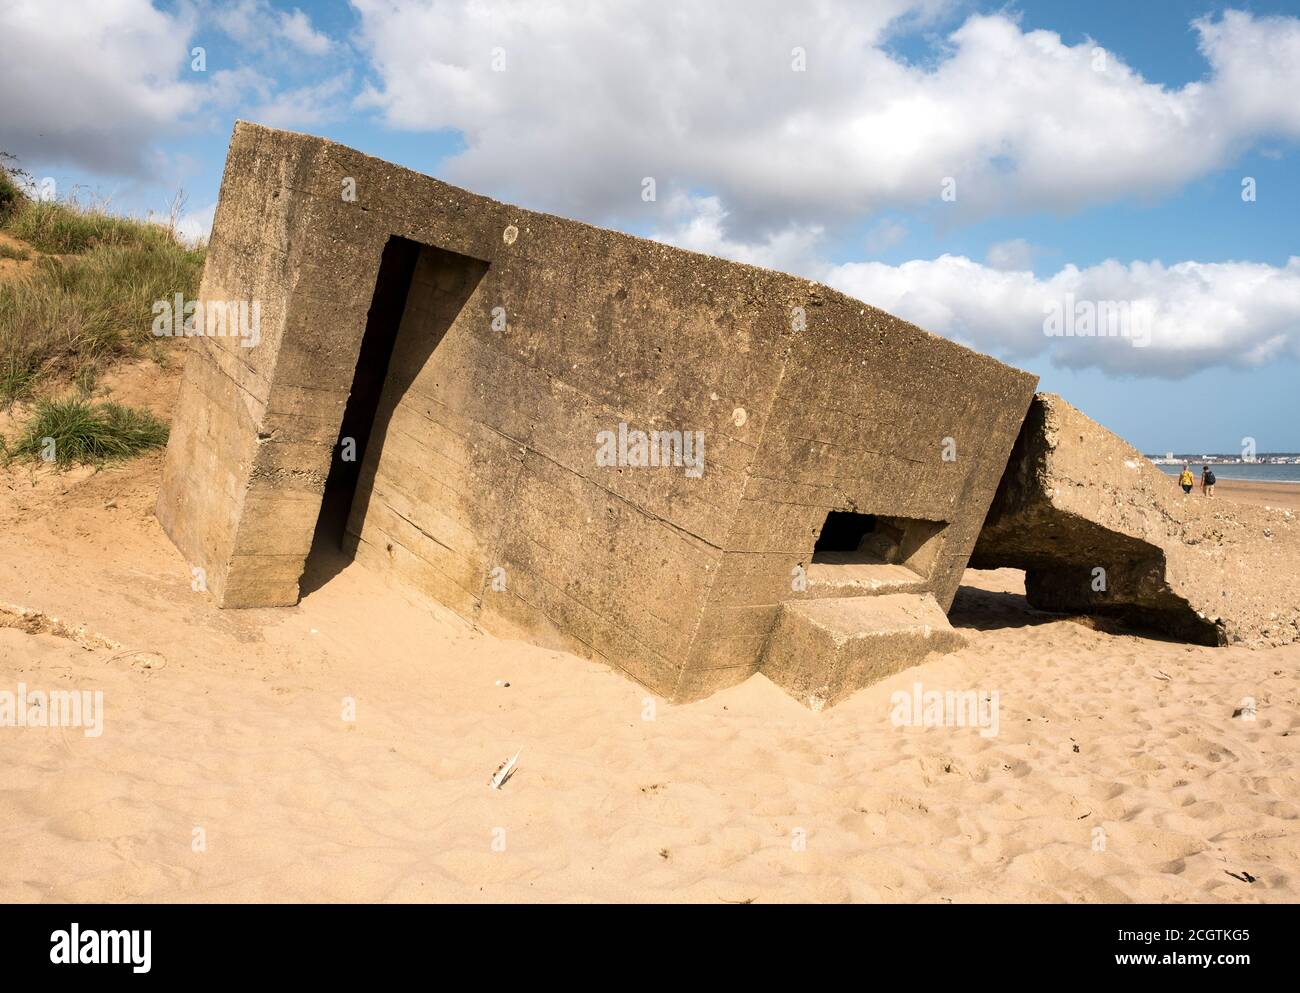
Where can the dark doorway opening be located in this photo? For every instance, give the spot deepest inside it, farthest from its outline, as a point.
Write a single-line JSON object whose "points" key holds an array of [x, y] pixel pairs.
{"points": [[432, 285], [843, 532], [382, 324], [849, 539], [396, 267]]}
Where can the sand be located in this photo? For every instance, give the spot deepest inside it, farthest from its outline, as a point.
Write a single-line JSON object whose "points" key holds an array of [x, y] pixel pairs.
{"points": [[1118, 771], [1285, 495]]}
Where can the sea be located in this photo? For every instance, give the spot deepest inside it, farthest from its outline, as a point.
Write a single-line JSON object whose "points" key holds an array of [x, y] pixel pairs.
{"points": [[1259, 472]]}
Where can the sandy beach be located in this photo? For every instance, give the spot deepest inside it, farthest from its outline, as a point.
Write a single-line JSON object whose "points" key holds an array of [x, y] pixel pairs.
{"points": [[1285, 495], [342, 750]]}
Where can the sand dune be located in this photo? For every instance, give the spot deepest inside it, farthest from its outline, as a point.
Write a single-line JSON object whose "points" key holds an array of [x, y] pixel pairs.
{"points": [[232, 723]]}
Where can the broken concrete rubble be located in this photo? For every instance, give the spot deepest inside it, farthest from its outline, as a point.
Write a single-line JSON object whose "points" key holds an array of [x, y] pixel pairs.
{"points": [[1099, 529]]}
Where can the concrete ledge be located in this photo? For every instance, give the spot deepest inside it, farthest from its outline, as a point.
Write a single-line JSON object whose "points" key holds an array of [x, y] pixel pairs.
{"points": [[823, 650]]}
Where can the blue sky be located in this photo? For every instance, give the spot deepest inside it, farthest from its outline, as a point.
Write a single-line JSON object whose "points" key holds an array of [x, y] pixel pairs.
{"points": [[1071, 175]]}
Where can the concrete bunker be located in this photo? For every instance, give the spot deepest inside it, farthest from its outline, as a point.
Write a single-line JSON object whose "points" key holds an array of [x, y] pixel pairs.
{"points": [[479, 477]]}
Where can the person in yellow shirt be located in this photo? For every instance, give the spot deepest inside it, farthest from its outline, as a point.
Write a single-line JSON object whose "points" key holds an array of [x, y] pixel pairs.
{"points": [[1185, 480]]}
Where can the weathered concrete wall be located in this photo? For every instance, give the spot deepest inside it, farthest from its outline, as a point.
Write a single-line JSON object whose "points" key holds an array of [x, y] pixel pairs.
{"points": [[483, 467], [488, 462], [252, 434], [256, 427], [1076, 498], [866, 409]]}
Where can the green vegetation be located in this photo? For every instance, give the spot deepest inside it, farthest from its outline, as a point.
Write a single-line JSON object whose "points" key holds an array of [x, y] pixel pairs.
{"points": [[73, 431], [90, 298], [64, 228], [86, 300], [10, 195], [71, 315]]}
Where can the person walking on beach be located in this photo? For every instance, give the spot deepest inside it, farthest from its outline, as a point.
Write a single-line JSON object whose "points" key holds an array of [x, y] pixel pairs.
{"points": [[1207, 481], [1185, 480]]}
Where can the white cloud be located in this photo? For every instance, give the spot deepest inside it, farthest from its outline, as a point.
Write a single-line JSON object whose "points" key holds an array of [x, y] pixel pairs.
{"points": [[1256, 62], [304, 106], [91, 82], [99, 83], [594, 97], [698, 226], [1187, 317], [1194, 315], [259, 26], [295, 27], [1014, 254]]}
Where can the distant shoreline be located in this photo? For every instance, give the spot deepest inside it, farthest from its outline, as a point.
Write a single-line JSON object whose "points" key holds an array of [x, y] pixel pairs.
{"points": [[1266, 473]]}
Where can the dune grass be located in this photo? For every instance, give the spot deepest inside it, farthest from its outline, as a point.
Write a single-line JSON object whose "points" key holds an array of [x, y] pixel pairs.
{"points": [[76, 432], [91, 300], [9, 252], [73, 315], [65, 228]]}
